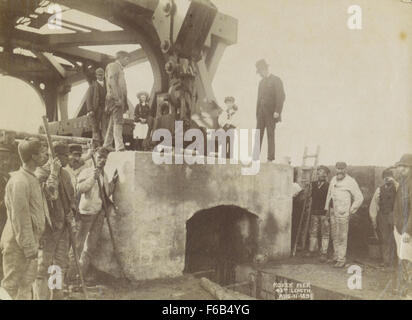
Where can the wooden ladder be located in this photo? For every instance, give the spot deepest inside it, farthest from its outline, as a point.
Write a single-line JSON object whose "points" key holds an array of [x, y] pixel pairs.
{"points": [[308, 176]]}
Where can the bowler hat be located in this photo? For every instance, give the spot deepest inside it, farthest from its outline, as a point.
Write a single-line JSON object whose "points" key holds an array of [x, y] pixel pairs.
{"points": [[324, 168], [261, 64], [406, 160]]}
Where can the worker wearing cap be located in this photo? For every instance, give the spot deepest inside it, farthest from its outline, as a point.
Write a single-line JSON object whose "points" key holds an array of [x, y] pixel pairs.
{"points": [[95, 102], [91, 207], [56, 241], [26, 218], [319, 220], [343, 200], [75, 162], [78, 161], [271, 97], [403, 225], [381, 214]]}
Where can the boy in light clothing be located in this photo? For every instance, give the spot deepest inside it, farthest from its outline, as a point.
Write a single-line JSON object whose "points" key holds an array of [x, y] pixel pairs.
{"points": [[91, 206]]}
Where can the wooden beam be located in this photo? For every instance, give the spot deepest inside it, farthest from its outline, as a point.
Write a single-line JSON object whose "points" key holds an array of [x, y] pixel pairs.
{"points": [[84, 54], [93, 38], [105, 8], [76, 25], [23, 135], [136, 57], [60, 42], [21, 63], [33, 41], [74, 79], [23, 39], [214, 55], [98, 8], [51, 61], [225, 27]]}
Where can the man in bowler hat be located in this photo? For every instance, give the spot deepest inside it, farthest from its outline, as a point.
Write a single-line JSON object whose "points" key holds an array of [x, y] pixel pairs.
{"points": [[271, 97]]}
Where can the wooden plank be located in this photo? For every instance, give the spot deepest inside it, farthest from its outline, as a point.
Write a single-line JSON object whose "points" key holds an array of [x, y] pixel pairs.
{"points": [[19, 135], [50, 60], [83, 54], [221, 293], [90, 38]]}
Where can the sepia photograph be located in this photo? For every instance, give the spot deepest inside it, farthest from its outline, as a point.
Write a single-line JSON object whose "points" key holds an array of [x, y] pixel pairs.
{"points": [[215, 156]]}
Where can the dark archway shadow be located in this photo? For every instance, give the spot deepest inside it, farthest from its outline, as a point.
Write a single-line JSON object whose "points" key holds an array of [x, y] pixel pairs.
{"points": [[218, 239]]}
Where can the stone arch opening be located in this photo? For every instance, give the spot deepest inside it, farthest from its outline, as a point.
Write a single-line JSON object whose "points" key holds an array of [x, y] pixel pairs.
{"points": [[219, 239]]}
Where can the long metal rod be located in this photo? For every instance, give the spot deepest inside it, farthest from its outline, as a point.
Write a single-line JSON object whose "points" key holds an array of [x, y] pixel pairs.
{"points": [[71, 234], [106, 212]]}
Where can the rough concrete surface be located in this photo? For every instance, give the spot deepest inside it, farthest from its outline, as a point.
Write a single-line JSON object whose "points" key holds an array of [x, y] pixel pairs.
{"points": [[180, 288], [327, 282], [154, 202]]}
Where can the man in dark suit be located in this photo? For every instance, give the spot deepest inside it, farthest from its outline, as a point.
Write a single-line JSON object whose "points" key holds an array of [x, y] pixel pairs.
{"points": [[271, 97], [96, 97]]}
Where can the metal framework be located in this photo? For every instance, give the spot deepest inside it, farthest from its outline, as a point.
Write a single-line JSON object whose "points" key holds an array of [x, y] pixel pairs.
{"points": [[182, 40]]}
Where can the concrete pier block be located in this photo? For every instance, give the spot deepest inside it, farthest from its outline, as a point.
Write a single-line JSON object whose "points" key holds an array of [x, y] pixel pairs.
{"points": [[154, 202]]}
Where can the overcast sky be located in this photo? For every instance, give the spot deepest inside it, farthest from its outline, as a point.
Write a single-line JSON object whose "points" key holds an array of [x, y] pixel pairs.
{"points": [[348, 91]]}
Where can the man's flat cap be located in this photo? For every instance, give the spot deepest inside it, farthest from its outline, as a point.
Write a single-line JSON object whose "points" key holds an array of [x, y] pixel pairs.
{"points": [[60, 147], [75, 148], [341, 165], [387, 173], [99, 71]]}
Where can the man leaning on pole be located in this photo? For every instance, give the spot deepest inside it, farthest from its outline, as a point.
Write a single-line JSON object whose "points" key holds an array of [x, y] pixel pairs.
{"points": [[56, 241], [91, 208]]}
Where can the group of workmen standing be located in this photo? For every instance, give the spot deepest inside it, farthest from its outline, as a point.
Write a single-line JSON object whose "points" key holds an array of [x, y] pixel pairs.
{"points": [[334, 202], [51, 206], [57, 204], [45, 203]]}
